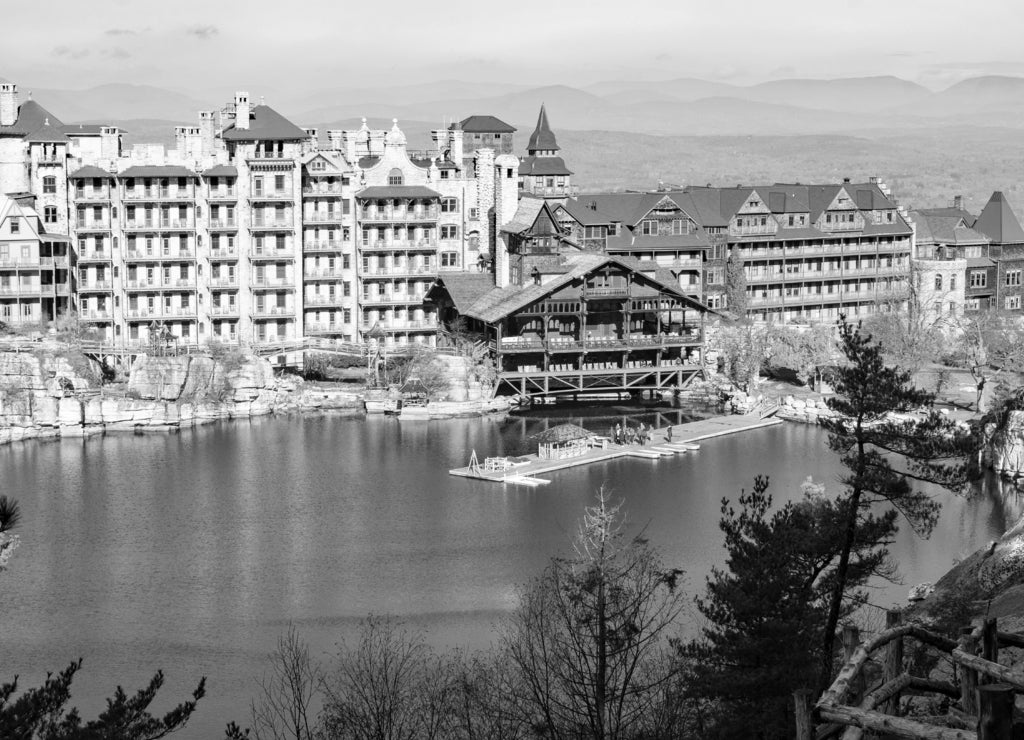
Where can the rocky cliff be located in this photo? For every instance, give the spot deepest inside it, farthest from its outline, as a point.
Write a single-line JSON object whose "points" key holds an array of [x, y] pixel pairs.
{"points": [[48, 395], [1006, 451]]}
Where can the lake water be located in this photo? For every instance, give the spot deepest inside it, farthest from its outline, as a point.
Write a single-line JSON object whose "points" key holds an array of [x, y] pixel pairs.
{"points": [[192, 552]]}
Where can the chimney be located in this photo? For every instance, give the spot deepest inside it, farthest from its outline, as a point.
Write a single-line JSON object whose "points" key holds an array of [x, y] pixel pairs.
{"points": [[456, 147], [958, 201], [207, 131], [846, 181], [110, 142], [314, 138], [241, 110], [8, 103], [335, 139]]}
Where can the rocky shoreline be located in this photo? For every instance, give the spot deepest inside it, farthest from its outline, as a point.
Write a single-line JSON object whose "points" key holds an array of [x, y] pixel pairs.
{"points": [[49, 394]]}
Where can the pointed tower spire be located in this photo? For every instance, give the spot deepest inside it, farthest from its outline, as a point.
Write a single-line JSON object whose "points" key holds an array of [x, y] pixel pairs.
{"points": [[542, 139]]}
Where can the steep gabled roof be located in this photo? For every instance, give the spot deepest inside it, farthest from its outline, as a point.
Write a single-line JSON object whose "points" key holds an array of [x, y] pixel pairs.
{"points": [[265, 123], [158, 170], [998, 221], [398, 191], [946, 230], [482, 125], [543, 166], [47, 134], [542, 138], [527, 213]]}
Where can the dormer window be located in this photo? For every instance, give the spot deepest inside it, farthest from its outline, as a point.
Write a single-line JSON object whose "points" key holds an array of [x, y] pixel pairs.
{"points": [[649, 227], [15, 226], [395, 177]]}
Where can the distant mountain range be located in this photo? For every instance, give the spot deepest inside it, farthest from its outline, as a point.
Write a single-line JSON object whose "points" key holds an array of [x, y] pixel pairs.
{"points": [[672, 107]]}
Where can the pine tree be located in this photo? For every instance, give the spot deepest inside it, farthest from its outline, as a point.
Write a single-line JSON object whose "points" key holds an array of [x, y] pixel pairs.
{"points": [[766, 609], [885, 457], [735, 284]]}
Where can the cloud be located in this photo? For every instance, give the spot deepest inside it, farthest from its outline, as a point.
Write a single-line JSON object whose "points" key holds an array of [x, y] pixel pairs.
{"points": [[119, 32], [663, 57], [116, 53], [70, 52], [203, 32]]}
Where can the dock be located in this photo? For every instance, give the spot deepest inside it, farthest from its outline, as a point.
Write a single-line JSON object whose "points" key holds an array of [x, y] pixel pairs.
{"points": [[684, 439]]}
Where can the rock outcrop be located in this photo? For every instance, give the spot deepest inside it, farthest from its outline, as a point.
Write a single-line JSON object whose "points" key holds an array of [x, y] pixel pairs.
{"points": [[42, 396], [1006, 451]]}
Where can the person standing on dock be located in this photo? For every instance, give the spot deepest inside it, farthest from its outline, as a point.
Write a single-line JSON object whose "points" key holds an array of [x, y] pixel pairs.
{"points": [[618, 434], [668, 433]]}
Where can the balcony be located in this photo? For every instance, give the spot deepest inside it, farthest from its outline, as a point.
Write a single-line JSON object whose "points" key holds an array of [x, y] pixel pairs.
{"points": [[398, 271], [272, 224], [279, 284], [316, 328], [85, 315], [224, 310], [180, 284], [322, 190], [272, 312], [326, 300], [164, 194], [26, 263], [322, 273], [610, 291], [144, 285], [180, 312], [334, 217], [272, 255], [224, 254], [61, 262], [179, 256], [160, 225], [416, 244], [51, 159], [95, 286], [94, 255], [693, 263], [222, 223], [93, 225], [598, 344], [25, 291], [92, 195], [402, 299], [231, 282], [322, 245], [222, 194], [424, 325], [276, 195], [398, 214]]}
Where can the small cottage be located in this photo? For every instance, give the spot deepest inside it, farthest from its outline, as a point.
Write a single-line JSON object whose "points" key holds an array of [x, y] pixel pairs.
{"points": [[562, 441]]}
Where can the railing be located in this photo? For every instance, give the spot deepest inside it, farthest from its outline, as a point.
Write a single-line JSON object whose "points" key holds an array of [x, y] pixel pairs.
{"points": [[93, 255], [272, 254], [221, 254], [92, 194], [224, 310], [223, 223], [31, 291], [95, 315], [983, 688], [780, 277], [222, 194], [322, 273], [322, 246], [402, 326], [224, 282], [26, 262], [320, 218], [400, 298], [160, 194], [168, 225], [391, 214], [555, 344], [270, 311], [61, 263], [95, 285], [50, 159], [272, 195], [286, 283], [325, 300], [93, 225], [615, 291], [405, 244], [313, 190], [274, 223], [181, 254], [398, 271]]}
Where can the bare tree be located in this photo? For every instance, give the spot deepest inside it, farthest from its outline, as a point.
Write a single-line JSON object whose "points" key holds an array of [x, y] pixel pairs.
{"points": [[285, 707], [589, 639], [986, 345], [390, 686]]}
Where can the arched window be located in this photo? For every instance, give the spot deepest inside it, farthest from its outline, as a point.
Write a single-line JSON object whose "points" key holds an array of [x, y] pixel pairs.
{"points": [[395, 177], [474, 240], [938, 282]]}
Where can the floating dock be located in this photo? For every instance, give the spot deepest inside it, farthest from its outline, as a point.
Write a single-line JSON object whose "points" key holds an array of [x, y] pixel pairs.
{"points": [[684, 439]]}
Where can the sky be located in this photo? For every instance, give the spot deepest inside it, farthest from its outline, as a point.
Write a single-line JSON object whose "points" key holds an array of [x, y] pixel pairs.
{"points": [[308, 45]]}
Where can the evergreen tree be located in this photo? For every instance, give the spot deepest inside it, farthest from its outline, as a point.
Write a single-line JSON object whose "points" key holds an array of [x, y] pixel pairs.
{"points": [[735, 284], [884, 457], [766, 609]]}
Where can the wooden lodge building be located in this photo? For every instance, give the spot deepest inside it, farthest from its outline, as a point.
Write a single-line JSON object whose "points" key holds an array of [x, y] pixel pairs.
{"points": [[561, 320]]}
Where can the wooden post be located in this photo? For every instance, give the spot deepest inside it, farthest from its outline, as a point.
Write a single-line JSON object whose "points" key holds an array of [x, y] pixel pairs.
{"points": [[995, 721], [802, 707], [851, 639], [989, 645], [969, 677], [893, 661]]}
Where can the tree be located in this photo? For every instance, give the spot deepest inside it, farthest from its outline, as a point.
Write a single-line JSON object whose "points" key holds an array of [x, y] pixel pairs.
{"points": [[802, 351], [283, 709], [588, 638], [988, 344], [39, 714], [743, 348], [10, 515], [736, 284], [766, 609], [390, 686], [884, 456]]}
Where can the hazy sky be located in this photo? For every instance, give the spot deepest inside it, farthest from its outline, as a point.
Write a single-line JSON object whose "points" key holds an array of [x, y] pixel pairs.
{"points": [[305, 45]]}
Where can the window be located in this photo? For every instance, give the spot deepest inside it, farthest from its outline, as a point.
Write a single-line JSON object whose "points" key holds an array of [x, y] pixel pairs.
{"points": [[973, 304], [648, 227], [952, 282], [792, 219], [346, 314], [346, 288], [345, 262], [444, 176], [449, 205], [279, 183], [449, 259], [715, 276], [1012, 302], [50, 214], [449, 232], [395, 177], [1013, 277], [677, 227], [49, 185], [257, 186], [979, 279], [16, 227], [938, 282]]}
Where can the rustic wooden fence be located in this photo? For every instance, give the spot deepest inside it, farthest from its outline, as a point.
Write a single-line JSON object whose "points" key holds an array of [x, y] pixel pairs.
{"points": [[981, 700]]}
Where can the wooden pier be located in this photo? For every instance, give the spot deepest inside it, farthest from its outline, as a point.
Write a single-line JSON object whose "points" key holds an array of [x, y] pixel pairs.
{"points": [[684, 439]]}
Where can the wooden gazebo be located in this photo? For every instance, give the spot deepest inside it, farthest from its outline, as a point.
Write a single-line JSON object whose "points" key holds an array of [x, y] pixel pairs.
{"points": [[562, 441]]}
